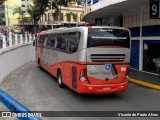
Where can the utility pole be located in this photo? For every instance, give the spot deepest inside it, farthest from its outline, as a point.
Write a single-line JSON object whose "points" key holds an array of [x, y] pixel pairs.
{"points": [[60, 14], [8, 17], [23, 23], [52, 14]]}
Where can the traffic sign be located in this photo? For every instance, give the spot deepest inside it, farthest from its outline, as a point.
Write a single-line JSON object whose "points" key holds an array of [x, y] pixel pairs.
{"points": [[19, 18], [154, 9]]}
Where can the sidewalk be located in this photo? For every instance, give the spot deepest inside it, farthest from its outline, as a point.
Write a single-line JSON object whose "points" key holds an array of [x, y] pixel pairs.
{"points": [[144, 79]]}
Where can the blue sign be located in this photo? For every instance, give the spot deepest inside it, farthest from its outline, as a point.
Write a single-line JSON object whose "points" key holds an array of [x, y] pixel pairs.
{"points": [[108, 67], [90, 2], [95, 1]]}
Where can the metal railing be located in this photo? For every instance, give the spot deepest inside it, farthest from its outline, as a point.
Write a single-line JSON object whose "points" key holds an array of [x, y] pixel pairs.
{"points": [[14, 39], [15, 107]]}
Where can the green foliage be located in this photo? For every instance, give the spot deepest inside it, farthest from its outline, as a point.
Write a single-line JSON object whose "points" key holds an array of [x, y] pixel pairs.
{"points": [[38, 9], [77, 1], [61, 2], [74, 16], [56, 4], [2, 1], [40, 6], [18, 10]]}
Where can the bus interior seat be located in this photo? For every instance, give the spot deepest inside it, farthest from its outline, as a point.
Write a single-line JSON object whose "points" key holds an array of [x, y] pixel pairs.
{"points": [[56, 44], [73, 47], [63, 46]]}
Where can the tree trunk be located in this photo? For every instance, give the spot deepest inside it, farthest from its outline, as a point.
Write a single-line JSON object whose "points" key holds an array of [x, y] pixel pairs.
{"points": [[35, 27]]}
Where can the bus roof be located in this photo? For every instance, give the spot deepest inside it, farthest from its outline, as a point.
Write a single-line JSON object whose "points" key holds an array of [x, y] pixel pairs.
{"points": [[62, 29]]}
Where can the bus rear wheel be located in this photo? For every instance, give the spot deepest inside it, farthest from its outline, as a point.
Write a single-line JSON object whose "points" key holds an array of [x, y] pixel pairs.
{"points": [[59, 77]]}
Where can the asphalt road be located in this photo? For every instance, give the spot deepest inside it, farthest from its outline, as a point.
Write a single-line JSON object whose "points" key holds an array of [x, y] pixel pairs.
{"points": [[39, 91]]}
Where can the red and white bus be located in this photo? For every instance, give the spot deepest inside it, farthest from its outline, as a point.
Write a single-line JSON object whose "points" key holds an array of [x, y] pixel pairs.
{"points": [[89, 60]]}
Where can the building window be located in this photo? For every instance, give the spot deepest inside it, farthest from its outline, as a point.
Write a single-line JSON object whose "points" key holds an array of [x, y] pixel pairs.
{"points": [[61, 17], [45, 17], [73, 41], [23, 5], [75, 16], [56, 18], [42, 18], [68, 17], [81, 17], [48, 17]]}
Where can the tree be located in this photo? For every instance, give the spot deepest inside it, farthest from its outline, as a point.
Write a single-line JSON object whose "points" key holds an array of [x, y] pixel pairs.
{"points": [[40, 6], [38, 9], [2, 1], [73, 2], [79, 2], [18, 10], [56, 5]]}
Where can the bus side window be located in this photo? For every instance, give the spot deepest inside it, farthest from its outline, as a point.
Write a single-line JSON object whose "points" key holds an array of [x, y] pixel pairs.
{"points": [[45, 41], [48, 44], [64, 42], [73, 41], [53, 42], [56, 44], [41, 40], [60, 42]]}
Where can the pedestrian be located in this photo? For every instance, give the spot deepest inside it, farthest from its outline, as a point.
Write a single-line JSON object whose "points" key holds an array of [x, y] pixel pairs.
{"points": [[157, 64]]}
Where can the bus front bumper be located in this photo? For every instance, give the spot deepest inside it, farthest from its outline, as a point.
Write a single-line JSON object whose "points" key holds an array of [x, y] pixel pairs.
{"points": [[102, 89]]}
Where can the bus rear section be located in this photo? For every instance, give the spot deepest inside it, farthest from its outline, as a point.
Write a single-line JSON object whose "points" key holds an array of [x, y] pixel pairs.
{"points": [[107, 57]]}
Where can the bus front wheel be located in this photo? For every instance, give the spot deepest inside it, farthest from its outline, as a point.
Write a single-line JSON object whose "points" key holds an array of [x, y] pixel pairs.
{"points": [[59, 77]]}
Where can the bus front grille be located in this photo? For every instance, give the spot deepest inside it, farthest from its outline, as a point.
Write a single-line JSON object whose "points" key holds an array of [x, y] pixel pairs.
{"points": [[108, 57]]}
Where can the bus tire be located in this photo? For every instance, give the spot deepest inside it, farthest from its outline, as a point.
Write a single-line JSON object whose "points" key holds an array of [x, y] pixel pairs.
{"points": [[59, 78], [39, 64]]}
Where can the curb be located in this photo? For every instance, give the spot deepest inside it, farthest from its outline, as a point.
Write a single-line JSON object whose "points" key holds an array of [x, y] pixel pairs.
{"points": [[153, 86]]}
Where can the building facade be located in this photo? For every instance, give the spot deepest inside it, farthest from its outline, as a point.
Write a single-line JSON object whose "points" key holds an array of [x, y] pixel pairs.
{"points": [[6, 13], [25, 4], [134, 15], [67, 15]]}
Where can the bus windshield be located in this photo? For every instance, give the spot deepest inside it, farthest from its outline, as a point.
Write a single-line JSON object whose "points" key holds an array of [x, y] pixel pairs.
{"points": [[108, 37]]}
